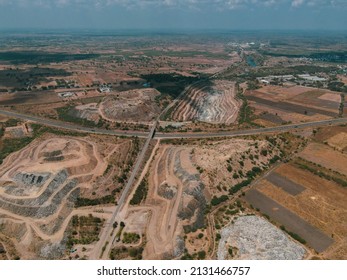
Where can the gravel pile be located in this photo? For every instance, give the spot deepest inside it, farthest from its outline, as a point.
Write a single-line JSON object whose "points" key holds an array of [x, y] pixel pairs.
{"points": [[257, 239]]}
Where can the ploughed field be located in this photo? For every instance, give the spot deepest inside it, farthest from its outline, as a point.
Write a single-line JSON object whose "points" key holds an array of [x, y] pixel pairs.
{"points": [[274, 105]]}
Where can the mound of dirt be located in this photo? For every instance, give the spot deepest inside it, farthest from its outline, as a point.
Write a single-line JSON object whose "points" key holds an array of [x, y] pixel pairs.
{"points": [[134, 106], [254, 238]]}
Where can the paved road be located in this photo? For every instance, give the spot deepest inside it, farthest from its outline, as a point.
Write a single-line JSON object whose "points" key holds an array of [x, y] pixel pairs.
{"points": [[252, 131], [70, 126], [141, 134], [106, 234]]}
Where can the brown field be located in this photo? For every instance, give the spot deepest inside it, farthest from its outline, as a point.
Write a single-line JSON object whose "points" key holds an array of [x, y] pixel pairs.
{"points": [[215, 103], [338, 141], [314, 238], [324, 133], [325, 156], [277, 104], [322, 204], [290, 107], [284, 183]]}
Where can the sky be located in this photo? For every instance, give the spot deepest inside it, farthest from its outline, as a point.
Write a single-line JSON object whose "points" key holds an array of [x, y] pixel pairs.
{"points": [[174, 14]]}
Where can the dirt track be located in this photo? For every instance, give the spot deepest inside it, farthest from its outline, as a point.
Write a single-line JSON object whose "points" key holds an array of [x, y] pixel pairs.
{"points": [[38, 187]]}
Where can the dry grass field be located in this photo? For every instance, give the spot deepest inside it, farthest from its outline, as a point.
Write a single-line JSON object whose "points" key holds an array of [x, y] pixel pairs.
{"points": [[310, 191], [278, 104]]}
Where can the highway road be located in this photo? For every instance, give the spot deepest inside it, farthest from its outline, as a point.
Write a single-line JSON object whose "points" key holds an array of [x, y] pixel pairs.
{"points": [[106, 238], [104, 245], [140, 134], [253, 131], [70, 126]]}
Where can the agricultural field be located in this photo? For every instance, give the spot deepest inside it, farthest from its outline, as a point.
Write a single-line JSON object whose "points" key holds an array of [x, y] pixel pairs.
{"points": [[172, 146], [276, 105], [306, 197]]}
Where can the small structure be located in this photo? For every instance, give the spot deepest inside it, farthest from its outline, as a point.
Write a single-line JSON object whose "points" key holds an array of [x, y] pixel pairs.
{"points": [[104, 89], [65, 94], [308, 77]]}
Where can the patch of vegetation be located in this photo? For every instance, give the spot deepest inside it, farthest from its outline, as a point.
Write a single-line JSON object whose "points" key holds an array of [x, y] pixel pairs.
{"points": [[66, 114], [103, 249], [39, 130], [321, 171], [11, 122], [201, 255], [12, 145], [294, 235], [121, 227], [35, 57], [130, 237], [246, 112], [107, 199], [125, 253], [85, 230], [140, 193], [239, 186], [218, 200]]}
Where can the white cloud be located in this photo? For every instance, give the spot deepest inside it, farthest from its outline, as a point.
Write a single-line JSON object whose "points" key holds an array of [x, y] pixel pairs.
{"points": [[297, 3], [216, 4]]}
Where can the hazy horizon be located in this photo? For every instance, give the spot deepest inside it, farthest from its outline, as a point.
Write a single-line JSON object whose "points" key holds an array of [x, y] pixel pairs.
{"points": [[174, 15]]}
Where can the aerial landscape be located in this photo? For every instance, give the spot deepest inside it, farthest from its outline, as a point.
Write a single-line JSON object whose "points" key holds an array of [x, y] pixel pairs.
{"points": [[160, 145]]}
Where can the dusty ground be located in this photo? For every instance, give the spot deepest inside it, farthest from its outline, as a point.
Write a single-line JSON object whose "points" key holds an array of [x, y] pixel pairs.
{"points": [[174, 195], [181, 181], [40, 184], [136, 105]]}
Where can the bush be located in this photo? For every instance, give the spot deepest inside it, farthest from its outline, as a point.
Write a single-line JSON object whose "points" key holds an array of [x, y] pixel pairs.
{"points": [[130, 237], [140, 193], [218, 200], [201, 255], [264, 152], [239, 186]]}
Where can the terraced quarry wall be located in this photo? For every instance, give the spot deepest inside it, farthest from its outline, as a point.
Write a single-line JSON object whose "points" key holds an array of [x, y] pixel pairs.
{"points": [[216, 103], [40, 184]]}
